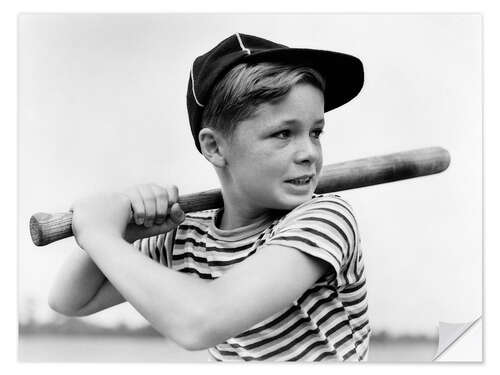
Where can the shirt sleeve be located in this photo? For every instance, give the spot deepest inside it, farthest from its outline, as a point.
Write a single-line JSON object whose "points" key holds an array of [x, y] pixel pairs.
{"points": [[324, 227], [155, 247]]}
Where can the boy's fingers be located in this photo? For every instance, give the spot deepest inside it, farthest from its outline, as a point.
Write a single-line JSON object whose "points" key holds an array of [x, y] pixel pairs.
{"points": [[154, 230], [177, 214], [137, 206], [173, 193], [152, 204], [161, 196], [149, 201]]}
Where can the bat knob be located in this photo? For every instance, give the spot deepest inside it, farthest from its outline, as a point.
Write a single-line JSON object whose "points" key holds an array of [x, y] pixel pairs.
{"points": [[47, 228]]}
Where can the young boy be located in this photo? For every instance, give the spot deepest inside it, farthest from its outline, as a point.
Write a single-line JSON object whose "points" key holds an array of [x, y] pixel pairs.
{"points": [[277, 273]]}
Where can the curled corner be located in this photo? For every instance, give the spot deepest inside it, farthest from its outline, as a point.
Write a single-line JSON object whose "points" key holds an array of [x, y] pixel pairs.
{"points": [[466, 339]]}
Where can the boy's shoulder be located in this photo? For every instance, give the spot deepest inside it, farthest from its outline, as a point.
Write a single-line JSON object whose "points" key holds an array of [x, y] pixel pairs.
{"points": [[319, 204], [326, 199]]}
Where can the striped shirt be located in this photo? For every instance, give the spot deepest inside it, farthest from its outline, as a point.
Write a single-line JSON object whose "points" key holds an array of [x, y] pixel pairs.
{"points": [[328, 322]]}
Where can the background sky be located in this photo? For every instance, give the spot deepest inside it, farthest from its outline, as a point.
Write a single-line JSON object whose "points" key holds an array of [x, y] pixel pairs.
{"points": [[102, 107]]}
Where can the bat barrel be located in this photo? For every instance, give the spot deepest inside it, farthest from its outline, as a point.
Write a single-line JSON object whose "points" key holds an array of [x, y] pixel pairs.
{"points": [[383, 169], [46, 228]]}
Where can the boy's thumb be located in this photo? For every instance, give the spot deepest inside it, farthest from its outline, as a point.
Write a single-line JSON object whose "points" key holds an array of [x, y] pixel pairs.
{"points": [[177, 213]]}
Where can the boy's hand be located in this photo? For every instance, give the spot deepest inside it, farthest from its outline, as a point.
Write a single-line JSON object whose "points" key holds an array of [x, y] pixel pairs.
{"points": [[155, 210], [140, 212], [100, 215], [152, 203]]}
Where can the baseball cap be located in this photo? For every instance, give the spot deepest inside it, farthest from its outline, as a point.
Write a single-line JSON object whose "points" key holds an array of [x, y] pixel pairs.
{"points": [[342, 73]]}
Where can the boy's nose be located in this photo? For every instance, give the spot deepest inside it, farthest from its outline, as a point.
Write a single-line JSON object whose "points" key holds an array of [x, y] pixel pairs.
{"points": [[307, 152]]}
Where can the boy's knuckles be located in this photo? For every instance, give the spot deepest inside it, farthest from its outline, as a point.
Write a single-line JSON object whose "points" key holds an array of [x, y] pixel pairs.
{"points": [[173, 192]]}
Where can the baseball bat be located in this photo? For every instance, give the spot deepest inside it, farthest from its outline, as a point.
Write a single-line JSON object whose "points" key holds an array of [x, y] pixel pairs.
{"points": [[46, 228]]}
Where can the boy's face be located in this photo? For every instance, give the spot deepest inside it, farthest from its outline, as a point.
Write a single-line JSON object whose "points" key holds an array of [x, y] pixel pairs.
{"points": [[276, 146]]}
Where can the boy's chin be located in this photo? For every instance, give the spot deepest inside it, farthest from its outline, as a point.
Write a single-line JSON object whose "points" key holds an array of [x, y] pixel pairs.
{"points": [[290, 202]]}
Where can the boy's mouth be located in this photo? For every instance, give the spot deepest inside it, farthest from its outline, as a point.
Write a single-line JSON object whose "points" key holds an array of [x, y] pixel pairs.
{"points": [[302, 180]]}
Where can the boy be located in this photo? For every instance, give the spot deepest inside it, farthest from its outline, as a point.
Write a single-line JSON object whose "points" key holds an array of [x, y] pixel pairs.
{"points": [[277, 273]]}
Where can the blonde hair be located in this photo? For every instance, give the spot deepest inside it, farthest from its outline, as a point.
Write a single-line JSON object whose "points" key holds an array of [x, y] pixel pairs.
{"points": [[238, 94]]}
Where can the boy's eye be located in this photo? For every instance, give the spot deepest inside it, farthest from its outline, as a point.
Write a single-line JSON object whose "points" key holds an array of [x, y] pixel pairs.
{"points": [[316, 133], [282, 134]]}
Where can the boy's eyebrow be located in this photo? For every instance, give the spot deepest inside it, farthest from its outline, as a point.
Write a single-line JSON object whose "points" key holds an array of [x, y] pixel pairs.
{"points": [[320, 121]]}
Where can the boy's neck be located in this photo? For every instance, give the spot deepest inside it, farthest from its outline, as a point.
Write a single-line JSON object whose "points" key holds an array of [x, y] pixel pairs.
{"points": [[232, 220]]}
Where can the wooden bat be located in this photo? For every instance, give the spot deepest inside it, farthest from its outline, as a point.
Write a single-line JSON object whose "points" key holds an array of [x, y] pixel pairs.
{"points": [[46, 228]]}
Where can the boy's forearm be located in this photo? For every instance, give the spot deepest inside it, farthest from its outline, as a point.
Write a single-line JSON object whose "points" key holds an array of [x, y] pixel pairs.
{"points": [[171, 301], [78, 281]]}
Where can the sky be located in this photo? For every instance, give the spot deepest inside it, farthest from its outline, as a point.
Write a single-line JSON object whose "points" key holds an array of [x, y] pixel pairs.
{"points": [[102, 107]]}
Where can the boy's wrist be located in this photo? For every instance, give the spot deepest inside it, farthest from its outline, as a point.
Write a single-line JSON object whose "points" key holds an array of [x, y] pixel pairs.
{"points": [[91, 239]]}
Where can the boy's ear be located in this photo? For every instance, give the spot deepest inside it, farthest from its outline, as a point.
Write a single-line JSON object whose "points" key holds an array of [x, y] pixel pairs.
{"points": [[211, 143]]}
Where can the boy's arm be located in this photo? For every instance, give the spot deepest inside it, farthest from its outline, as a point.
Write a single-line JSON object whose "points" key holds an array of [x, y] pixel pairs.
{"points": [[195, 313], [81, 288], [262, 285]]}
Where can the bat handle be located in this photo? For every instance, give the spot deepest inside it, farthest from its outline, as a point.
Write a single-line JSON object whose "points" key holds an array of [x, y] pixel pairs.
{"points": [[46, 228]]}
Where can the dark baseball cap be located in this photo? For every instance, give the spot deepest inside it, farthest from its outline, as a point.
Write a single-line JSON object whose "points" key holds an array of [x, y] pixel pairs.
{"points": [[342, 73]]}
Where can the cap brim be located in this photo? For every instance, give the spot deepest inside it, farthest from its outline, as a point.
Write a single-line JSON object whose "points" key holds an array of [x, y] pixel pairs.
{"points": [[343, 73]]}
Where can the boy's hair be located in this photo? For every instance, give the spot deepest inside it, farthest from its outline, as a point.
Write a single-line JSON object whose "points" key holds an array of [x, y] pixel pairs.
{"points": [[238, 94]]}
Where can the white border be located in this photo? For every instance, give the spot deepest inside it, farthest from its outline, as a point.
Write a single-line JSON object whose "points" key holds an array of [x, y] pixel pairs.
{"points": [[8, 147]]}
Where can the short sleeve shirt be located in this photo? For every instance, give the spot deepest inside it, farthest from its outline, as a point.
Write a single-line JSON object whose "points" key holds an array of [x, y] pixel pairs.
{"points": [[329, 321]]}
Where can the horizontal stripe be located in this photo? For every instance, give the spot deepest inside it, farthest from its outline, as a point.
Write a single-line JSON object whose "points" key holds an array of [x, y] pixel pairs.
{"points": [[198, 217], [327, 320], [183, 241], [211, 263], [330, 314], [354, 288], [284, 324], [348, 354], [307, 350], [327, 257], [295, 238], [191, 227], [228, 353], [330, 223], [282, 334], [344, 218], [323, 235], [324, 355], [359, 314], [231, 250], [356, 301], [337, 327], [360, 327], [269, 324], [320, 302], [292, 310], [283, 348], [344, 340], [195, 271]]}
